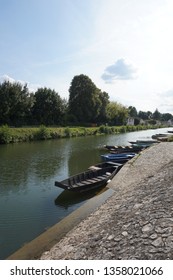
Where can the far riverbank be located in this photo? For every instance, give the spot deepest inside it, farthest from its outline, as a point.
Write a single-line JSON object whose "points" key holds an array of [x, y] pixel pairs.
{"points": [[28, 134]]}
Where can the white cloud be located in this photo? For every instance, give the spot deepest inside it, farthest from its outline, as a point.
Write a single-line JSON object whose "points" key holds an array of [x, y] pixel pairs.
{"points": [[31, 87], [120, 70], [6, 78], [109, 32]]}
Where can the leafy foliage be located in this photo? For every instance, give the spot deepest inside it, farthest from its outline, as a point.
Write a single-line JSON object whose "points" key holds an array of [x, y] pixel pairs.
{"points": [[43, 133], [15, 103], [5, 135], [116, 113], [48, 108], [87, 106], [132, 112], [83, 99], [86, 102]]}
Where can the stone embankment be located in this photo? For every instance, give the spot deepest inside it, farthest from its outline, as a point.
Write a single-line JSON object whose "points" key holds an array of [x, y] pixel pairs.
{"points": [[136, 222]]}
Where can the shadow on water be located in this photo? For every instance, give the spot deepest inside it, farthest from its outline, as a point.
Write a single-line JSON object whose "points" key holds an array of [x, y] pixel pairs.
{"points": [[66, 199]]}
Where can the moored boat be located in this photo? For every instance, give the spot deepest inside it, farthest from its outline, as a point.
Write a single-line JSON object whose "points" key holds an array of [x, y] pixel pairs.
{"points": [[143, 143], [90, 179], [104, 165], [119, 158], [152, 141], [123, 149], [133, 149], [110, 147], [158, 135]]}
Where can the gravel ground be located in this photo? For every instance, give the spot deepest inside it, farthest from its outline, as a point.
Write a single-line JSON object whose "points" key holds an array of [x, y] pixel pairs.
{"points": [[136, 222]]}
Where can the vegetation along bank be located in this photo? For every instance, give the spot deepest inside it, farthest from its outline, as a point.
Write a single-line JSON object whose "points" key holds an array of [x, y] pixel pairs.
{"points": [[86, 105], [88, 111], [14, 135]]}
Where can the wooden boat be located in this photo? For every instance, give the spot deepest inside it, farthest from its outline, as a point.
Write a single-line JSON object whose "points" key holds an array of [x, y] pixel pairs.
{"points": [[90, 179], [110, 147], [118, 158], [133, 149], [123, 149], [143, 143], [105, 165], [158, 135], [151, 141], [163, 139]]}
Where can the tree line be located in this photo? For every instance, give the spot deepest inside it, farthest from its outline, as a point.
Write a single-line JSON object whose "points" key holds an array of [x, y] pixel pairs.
{"points": [[152, 118], [86, 105]]}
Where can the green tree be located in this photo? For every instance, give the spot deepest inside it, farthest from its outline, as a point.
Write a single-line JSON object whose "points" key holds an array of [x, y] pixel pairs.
{"points": [[144, 115], [132, 112], [84, 100], [15, 103], [104, 101], [48, 108], [167, 117], [157, 115], [117, 114]]}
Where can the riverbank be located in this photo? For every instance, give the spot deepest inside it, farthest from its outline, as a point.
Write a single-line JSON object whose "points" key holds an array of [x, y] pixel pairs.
{"points": [[136, 222], [28, 134]]}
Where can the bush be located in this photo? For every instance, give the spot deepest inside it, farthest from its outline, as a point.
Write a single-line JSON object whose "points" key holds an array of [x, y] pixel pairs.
{"points": [[43, 133], [105, 129], [122, 129], [67, 132], [5, 136]]}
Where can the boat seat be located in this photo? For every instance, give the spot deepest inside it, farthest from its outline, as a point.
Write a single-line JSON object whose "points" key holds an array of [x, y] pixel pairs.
{"points": [[85, 182], [80, 184], [102, 177], [96, 179], [92, 180], [94, 168]]}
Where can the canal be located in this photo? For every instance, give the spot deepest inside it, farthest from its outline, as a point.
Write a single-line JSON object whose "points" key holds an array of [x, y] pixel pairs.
{"points": [[29, 201]]}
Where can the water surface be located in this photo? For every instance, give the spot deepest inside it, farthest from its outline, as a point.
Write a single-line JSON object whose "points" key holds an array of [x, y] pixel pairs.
{"points": [[29, 201]]}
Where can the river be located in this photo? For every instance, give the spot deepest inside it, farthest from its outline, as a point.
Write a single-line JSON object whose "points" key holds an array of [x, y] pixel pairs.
{"points": [[29, 201]]}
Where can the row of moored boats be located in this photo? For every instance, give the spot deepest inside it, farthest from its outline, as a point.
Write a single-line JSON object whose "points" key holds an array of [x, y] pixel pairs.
{"points": [[97, 176]]}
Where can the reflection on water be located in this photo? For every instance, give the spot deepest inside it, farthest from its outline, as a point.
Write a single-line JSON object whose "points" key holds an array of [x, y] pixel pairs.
{"points": [[67, 198], [29, 201]]}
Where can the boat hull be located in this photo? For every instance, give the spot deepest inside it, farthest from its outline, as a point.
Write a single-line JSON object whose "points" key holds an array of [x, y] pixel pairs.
{"points": [[119, 158], [89, 180]]}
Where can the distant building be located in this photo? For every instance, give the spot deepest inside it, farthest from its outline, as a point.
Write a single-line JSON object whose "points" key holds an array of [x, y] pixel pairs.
{"points": [[142, 121], [130, 121], [170, 122]]}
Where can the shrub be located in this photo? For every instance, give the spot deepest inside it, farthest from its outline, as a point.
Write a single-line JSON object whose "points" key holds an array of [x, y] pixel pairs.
{"points": [[67, 132], [42, 133], [5, 135], [122, 129]]}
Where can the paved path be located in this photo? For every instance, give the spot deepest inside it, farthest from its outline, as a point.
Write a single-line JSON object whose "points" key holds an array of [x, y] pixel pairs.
{"points": [[136, 222]]}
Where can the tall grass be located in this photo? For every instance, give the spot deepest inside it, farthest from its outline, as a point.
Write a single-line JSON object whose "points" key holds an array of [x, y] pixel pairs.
{"points": [[12, 135], [5, 135]]}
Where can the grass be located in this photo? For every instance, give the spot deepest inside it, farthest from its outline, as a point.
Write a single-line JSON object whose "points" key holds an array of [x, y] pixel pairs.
{"points": [[25, 134]]}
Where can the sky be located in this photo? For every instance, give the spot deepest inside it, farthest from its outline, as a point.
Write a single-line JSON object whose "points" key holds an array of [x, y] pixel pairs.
{"points": [[124, 46]]}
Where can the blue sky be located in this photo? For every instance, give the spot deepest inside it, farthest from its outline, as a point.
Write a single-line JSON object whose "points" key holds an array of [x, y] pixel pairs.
{"points": [[125, 47]]}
